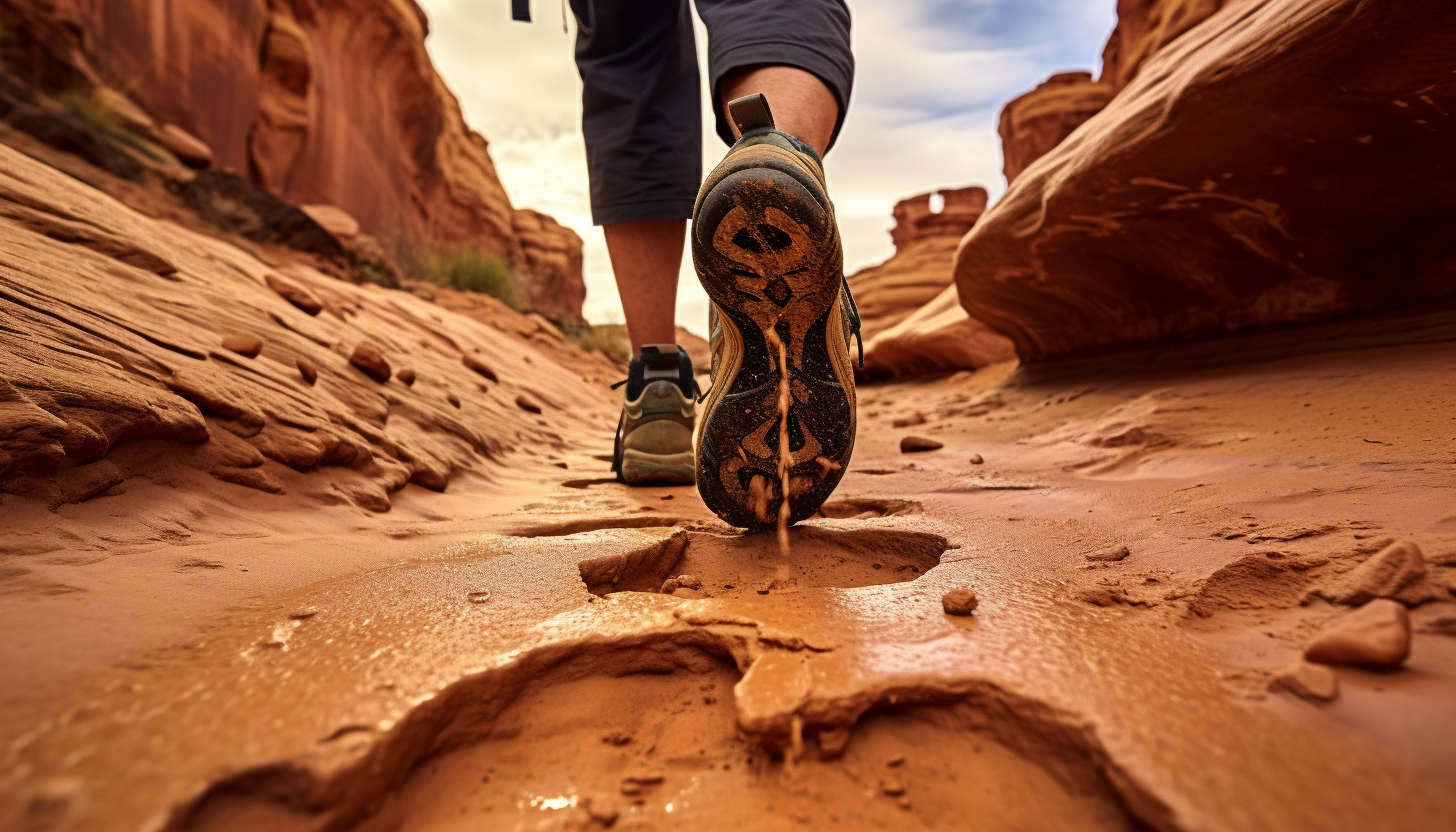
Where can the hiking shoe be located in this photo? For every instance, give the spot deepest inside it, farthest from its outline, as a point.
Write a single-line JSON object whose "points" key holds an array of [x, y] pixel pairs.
{"points": [[655, 433], [767, 250]]}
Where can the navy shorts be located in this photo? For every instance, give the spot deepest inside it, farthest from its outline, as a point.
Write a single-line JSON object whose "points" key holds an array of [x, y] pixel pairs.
{"points": [[641, 106]]}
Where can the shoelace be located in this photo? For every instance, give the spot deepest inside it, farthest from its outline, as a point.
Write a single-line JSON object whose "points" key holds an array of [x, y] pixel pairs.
{"points": [[854, 322]]}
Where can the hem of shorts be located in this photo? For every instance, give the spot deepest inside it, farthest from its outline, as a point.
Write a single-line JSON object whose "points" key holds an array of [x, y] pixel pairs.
{"points": [[655, 209], [823, 66]]}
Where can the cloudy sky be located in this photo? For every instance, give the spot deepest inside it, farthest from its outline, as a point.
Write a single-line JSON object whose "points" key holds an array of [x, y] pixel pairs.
{"points": [[931, 78]]}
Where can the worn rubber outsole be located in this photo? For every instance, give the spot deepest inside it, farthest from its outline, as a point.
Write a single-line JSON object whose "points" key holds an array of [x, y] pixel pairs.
{"points": [[767, 252]]}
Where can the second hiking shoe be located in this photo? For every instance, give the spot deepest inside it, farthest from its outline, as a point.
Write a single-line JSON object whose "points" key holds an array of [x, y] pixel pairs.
{"points": [[781, 407]]}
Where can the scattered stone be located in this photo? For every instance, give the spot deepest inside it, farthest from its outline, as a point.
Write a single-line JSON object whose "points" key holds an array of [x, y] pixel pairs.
{"points": [[601, 809], [307, 370], [914, 444], [370, 361], [690, 581], [244, 345], [977, 459], [1308, 681], [294, 294], [527, 405], [960, 601], [892, 786], [1112, 555], [453, 399], [635, 784], [479, 597], [407, 376], [909, 421], [1444, 625], [334, 220], [616, 738], [479, 366], [896, 761], [670, 586], [1386, 573], [190, 150], [1376, 635]]}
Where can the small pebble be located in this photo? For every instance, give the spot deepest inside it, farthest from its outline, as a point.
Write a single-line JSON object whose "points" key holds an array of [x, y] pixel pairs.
{"points": [[370, 361], [976, 459], [1116, 553], [527, 405], [307, 370], [915, 444], [244, 345], [1377, 635], [407, 376], [453, 399], [1308, 681], [892, 786], [960, 601], [690, 582], [479, 366]]}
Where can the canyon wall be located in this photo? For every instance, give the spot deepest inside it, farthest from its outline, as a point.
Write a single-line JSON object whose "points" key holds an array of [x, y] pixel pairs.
{"points": [[1283, 161], [318, 102]]}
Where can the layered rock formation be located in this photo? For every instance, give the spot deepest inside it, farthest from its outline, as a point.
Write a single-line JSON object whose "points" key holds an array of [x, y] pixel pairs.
{"points": [[319, 103], [925, 242], [1144, 27], [136, 348], [1284, 161], [1035, 122], [911, 321]]}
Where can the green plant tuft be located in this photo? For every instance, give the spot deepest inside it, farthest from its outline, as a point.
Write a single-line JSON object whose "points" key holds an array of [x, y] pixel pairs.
{"points": [[471, 271], [94, 113]]}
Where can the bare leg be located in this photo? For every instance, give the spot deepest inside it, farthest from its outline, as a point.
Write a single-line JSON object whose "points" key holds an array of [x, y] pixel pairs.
{"points": [[646, 256], [802, 105]]}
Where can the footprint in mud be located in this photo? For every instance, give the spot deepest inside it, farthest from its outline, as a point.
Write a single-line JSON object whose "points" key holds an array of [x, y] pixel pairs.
{"points": [[859, 508], [646, 739], [735, 565]]}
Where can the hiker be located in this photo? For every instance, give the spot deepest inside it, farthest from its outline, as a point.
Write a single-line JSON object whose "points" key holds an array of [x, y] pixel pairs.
{"points": [[765, 243]]}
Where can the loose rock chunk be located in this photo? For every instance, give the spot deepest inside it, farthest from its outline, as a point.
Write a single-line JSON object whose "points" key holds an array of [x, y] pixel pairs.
{"points": [[960, 601], [407, 376], [294, 294], [370, 360], [913, 444], [244, 345], [1384, 575], [1308, 681], [307, 370], [1116, 553], [527, 405], [1377, 635]]}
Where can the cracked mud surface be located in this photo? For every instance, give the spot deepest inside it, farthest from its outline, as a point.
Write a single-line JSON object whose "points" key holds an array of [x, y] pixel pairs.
{"points": [[521, 667]]}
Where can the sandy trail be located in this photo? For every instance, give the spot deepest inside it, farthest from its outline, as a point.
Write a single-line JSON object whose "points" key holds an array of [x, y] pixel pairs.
{"points": [[522, 668]]}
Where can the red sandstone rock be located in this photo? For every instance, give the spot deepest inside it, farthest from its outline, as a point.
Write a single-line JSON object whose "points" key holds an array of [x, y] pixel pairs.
{"points": [[1144, 27], [936, 338], [192, 151], [527, 405], [108, 350], [307, 370], [245, 345], [1035, 122], [1275, 164], [371, 361], [925, 244], [333, 219], [960, 601], [288, 90], [1376, 635], [294, 294], [407, 376], [915, 444]]}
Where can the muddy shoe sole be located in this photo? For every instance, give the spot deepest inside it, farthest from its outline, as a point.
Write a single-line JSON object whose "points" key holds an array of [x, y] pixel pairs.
{"points": [[768, 254]]}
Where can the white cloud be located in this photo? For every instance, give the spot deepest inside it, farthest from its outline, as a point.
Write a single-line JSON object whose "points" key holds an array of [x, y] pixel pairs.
{"points": [[931, 77]]}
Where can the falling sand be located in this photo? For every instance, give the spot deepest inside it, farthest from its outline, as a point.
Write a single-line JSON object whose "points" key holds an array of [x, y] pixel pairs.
{"points": [[785, 454]]}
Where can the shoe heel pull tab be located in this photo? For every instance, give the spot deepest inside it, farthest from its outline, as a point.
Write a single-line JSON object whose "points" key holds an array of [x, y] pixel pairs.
{"points": [[750, 113]]}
